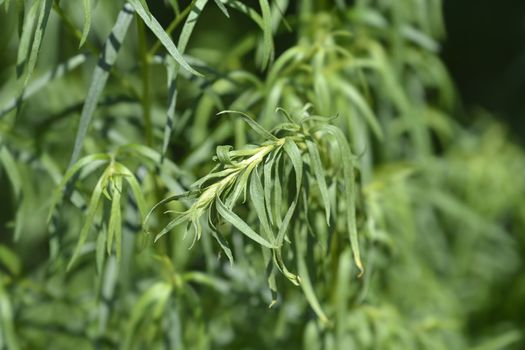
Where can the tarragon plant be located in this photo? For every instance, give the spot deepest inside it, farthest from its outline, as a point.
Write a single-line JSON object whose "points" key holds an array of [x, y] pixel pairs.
{"points": [[335, 185]]}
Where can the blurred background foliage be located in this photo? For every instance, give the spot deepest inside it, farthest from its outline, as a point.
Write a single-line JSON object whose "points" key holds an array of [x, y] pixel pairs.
{"points": [[438, 191]]}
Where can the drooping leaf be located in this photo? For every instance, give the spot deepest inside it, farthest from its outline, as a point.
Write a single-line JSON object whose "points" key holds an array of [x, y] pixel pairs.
{"points": [[294, 154], [317, 168], [240, 224], [305, 282], [257, 199], [89, 217], [348, 182]]}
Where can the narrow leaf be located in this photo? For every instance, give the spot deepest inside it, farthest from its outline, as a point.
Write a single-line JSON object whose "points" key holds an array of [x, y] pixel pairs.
{"points": [[25, 40], [294, 154], [240, 224], [100, 76], [355, 97], [90, 216], [253, 124], [57, 194], [173, 70], [257, 199], [223, 8], [37, 39], [348, 182], [114, 226], [87, 21], [268, 51], [11, 169], [305, 283], [135, 188], [7, 321], [250, 12], [318, 170], [161, 34]]}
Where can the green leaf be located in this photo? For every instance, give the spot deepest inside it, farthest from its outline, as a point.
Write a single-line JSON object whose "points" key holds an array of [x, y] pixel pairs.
{"points": [[87, 21], [223, 8], [10, 261], [162, 202], [317, 167], [283, 229], [268, 51], [253, 124], [238, 5], [277, 193], [207, 280], [294, 154], [11, 169], [100, 251], [37, 39], [348, 182], [115, 219], [90, 216], [7, 329], [257, 199], [144, 4], [268, 184], [302, 270], [100, 76], [222, 243], [175, 222], [163, 37], [173, 70], [355, 97], [189, 25], [320, 82], [240, 224], [342, 294], [135, 188], [57, 194], [25, 40], [158, 293]]}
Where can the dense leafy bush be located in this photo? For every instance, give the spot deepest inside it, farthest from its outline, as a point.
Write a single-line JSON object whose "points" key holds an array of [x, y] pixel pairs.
{"points": [[249, 175]]}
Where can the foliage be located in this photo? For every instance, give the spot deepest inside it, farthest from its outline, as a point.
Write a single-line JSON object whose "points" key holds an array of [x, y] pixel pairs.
{"points": [[318, 192]]}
